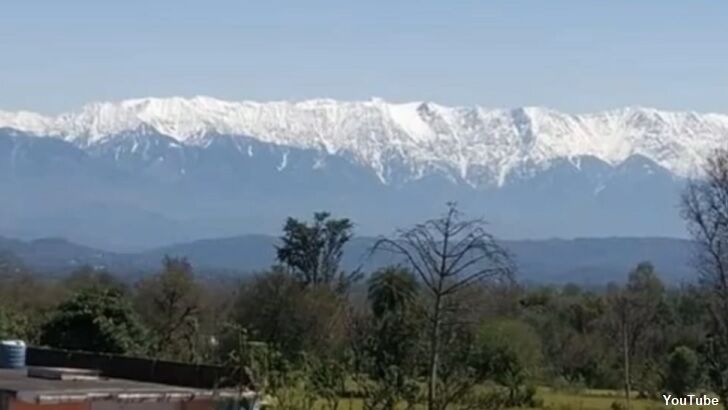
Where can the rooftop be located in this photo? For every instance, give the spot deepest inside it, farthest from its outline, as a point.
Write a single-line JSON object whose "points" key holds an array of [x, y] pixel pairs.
{"points": [[44, 390]]}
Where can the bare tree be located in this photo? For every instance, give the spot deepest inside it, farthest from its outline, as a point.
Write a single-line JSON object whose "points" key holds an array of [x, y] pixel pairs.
{"points": [[171, 301], [633, 313], [449, 254], [705, 209]]}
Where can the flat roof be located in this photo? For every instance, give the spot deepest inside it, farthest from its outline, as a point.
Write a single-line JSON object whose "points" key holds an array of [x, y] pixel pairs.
{"points": [[41, 391]]}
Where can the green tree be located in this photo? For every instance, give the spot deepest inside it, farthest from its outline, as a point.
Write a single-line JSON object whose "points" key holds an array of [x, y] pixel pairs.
{"points": [[385, 342], [96, 320], [682, 373], [570, 324], [12, 325], [277, 310], [392, 291], [509, 352], [89, 277], [327, 380], [313, 251], [29, 298]]}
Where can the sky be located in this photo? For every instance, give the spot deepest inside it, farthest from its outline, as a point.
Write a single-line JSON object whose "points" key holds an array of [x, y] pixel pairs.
{"points": [[575, 56]]}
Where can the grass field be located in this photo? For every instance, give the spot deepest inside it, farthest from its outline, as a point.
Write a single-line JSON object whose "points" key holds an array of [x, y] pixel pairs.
{"points": [[594, 400], [554, 400]]}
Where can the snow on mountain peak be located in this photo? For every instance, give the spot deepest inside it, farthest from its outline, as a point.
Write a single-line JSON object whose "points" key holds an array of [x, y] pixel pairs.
{"points": [[468, 141]]}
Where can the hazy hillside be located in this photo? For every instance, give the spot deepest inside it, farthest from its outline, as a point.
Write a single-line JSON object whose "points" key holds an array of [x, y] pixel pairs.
{"points": [[579, 260]]}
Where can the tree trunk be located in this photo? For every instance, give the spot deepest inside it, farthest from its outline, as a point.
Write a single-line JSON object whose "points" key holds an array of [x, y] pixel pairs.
{"points": [[434, 355], [627, 382]]}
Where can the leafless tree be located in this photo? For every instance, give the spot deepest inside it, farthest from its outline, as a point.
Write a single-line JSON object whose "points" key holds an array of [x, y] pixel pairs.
{"points": [[449, 254], [172, 301], [705, 209], [633, 313]]}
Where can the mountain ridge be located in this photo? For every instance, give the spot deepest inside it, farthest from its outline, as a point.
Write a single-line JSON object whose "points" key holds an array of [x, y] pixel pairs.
{"points": [[121, 175], [556, 260], [480, 146]]}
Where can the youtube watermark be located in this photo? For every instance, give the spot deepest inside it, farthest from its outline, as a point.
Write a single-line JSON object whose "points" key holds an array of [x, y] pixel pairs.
{"points": [[690, 400]]}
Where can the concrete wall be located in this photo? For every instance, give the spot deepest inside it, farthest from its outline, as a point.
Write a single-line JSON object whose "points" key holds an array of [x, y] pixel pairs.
{"points": [[140, 369], [19, 405], [112, 405]]}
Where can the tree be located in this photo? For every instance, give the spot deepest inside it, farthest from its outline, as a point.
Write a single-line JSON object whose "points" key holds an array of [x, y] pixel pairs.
{"points": [[392, 291], [385, 341], [312, 252], [634, 310], [95, 320], [12, 325], [449, 254], [682, 371], [509, 352], [277, 310], [170, 301], [705, 210], [88, 277], [26, 300], [570, 323]]}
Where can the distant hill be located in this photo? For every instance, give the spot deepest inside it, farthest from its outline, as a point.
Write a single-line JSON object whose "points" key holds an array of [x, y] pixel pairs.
{"points": [[585, 260], [56, 254]]}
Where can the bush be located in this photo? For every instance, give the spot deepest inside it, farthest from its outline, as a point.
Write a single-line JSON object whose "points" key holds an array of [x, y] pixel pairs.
{"points": [[95, 320], [526, 397], [12, 325], [682, 371], [618, 405]]}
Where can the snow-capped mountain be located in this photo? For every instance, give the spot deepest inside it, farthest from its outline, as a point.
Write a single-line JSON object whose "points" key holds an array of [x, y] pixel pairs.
{"points": [[478, 145], [149, 171]]}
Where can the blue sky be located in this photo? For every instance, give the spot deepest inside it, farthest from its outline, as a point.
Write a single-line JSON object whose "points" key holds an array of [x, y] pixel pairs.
{"points": [[575, 56]]}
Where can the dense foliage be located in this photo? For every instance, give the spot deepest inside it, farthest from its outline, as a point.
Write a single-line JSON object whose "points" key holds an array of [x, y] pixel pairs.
{"points": [[94, 319], [446, 328]]}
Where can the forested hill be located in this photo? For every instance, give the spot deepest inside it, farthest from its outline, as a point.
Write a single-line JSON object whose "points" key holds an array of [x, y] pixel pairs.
{"points": [[586, 260]]}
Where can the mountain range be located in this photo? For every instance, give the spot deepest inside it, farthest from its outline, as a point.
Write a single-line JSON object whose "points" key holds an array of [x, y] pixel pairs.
{"points": [[141, 173], [591, 261]]}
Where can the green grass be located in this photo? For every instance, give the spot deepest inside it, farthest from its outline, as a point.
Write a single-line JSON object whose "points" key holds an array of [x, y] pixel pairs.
{"points": [[557, 400], [594, 400]]}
